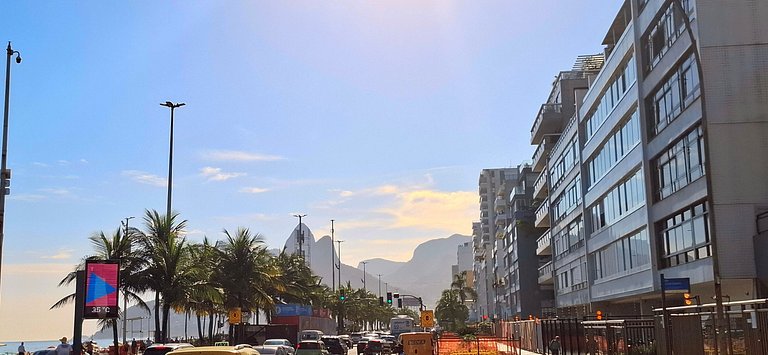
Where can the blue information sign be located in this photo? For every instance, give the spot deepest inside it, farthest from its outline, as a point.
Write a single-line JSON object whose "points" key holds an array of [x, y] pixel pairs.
{"points": [[677, 285]]}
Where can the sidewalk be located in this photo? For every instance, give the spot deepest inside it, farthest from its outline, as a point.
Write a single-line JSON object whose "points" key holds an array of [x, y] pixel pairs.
{"points": [[506, 350]]}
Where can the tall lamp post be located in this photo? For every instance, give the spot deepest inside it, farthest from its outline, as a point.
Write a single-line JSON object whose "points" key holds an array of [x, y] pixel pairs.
{"points": [[5, 175], [364, 275], [173, 107], [339, 266], [300, 235], [333, 261], [124, 222]]}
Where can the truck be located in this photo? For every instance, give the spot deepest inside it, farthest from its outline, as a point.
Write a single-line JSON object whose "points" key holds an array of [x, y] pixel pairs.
{"points": [[401, 324]]}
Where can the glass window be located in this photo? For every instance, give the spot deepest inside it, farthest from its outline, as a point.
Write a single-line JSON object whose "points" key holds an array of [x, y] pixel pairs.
{"points": [[680, 165], [619, 201], [686, 235]]}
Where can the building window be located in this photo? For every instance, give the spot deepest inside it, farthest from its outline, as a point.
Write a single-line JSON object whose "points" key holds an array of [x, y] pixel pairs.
{"points": [[614, 149], [661, 36], [630, 252], [680, 165], [572, 277], [618, 202], [569, 239], [684, 237], [567, 160], [568, 200], [615, 90], [676, 93]]}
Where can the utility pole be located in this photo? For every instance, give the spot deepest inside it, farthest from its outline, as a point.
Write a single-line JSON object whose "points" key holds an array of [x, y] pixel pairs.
{"points": [[5, 174], [300, 236], [339, 243], [379, 275], [125, 299], [173, 107], [364, 275], [333, 261]]}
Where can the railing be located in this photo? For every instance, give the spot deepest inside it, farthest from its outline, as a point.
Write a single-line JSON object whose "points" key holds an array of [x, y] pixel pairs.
{"points": [[545, 108], [540, 149], [541, 183], [500, 202], [542, 211], [501, 218], [568, 126], [544, 242], [545, 272], [518, 191]]}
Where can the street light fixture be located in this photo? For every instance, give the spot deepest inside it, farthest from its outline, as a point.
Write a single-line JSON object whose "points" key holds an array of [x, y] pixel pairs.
{"points": [[333, 261], [5, 174], [173, 107], [300, 235], [364, 275]]}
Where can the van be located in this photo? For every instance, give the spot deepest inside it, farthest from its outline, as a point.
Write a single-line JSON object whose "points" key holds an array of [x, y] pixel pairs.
{"points": [[417, 343], [310, 335]]}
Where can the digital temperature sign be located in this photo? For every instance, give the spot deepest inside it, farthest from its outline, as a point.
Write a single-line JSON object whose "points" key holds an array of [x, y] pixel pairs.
{"points": [[102, 282]]}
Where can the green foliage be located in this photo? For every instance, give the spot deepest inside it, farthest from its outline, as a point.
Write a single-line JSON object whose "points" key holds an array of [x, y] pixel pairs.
{"points": [[451, 312]]}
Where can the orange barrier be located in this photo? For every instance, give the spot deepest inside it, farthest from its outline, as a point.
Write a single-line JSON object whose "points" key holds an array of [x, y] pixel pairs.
{"points": [[452, 345]]}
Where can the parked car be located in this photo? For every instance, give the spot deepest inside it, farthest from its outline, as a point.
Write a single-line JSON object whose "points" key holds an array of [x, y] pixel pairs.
{"points": [[243, 349], [271, 350], [347, 339], [162, 349], [377, 347], [335, 345], [281, 342], [311, 347]]}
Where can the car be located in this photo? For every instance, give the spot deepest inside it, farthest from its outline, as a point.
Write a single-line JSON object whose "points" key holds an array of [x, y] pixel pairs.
{"points": [[162, 349], [361, 344], [243, 349], [377, 346], [271, 350], [356, 336], [311, 347], [347, 339], [45, 352], [281, 342], [335, 345]]}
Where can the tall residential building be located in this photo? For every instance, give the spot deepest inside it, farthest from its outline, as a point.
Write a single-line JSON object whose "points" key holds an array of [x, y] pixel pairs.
{"points": [[647, 170], [488, 234]]}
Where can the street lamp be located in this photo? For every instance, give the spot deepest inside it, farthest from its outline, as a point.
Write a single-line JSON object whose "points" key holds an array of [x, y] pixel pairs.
{"points": [[5, 175], [364, 275], [339, 266], [379, 275], [333, 262], [125, 299], [300, 235], [173, 107]]}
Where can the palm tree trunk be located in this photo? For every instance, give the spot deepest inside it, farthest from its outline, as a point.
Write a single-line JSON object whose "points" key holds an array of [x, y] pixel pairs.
{"points": [[157, 317], [210, 325], [186, 320], [114, 336], [200, 330], [166, 316]]}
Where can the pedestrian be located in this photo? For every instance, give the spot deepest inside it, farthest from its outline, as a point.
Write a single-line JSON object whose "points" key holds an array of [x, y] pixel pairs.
{"points": [[63, 348], [22, 350], [554, 345], [134, 347]]}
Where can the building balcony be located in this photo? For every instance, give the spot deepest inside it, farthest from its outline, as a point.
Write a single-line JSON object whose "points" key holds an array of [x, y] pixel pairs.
{"points": [[545, 273], [500, 203], [517, 192], [544, 244], [548, 121], [541, 154], [501, 219], [500, 233], [542, 215], [540, 187]]}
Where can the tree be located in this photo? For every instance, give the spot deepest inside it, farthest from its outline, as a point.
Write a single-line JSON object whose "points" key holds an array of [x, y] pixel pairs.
{"points": [[460, 285], [450, 311]]}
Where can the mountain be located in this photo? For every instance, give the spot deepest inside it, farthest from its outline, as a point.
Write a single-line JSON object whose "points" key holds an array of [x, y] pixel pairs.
{"points": [[380, 266]]}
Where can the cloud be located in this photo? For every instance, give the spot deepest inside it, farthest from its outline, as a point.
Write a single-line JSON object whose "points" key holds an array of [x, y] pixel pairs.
{"points": [[451, 211], [26, 197], [57, 192], [254, 190], [215, 174], [40, 165], [62, 254], [145, 178], [234, 155]]}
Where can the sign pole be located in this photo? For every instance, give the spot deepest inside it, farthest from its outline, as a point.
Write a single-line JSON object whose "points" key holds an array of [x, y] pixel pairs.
{"points": [[665, 317], [77, 344]]}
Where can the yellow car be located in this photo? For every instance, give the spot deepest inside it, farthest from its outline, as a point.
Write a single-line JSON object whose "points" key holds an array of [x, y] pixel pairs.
{"points": [[243, 349]]}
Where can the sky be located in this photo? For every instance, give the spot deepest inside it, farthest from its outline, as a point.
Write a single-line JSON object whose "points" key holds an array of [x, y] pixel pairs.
{"points": [[378, 114]]}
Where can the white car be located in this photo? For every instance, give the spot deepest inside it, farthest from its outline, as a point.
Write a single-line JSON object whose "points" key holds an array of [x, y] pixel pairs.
{"points": [[285, 343]]}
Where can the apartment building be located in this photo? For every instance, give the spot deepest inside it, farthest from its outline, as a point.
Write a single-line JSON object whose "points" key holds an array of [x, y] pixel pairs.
{"points": [[645, 169], [494, 185]]}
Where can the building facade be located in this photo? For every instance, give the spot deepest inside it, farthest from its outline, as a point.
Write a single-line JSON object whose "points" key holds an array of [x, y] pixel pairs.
{"points": [[646, 169]]}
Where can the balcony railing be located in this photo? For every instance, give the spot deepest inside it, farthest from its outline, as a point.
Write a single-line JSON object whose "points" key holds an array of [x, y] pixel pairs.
{"points": [[546, 112], [542, 214], [540, 188], [545, 273], [544, 244], [500, 202]]}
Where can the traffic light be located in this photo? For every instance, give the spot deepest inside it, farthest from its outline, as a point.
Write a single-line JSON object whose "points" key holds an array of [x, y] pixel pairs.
{"points": [[688, 298], [395, 295], [342, 295], [599, 315], [389, 298], [381, 300], [399, 303]]}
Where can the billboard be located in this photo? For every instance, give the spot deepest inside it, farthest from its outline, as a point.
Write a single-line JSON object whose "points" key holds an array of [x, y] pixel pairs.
{"points": [[102, 281], [282, 310]]}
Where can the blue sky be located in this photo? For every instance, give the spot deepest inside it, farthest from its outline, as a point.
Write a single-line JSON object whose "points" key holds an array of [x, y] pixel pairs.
{"points": [[379, 114]]}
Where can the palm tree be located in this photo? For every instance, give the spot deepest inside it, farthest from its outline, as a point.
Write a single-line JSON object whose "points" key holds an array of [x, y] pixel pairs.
{"points": [[170, 265], [450, 310], [119, 246], [203, 301], [460, 285], [245, 271]]}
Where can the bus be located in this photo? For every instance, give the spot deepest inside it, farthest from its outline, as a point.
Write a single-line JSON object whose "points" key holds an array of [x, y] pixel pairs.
{"points": [[401, 324]]}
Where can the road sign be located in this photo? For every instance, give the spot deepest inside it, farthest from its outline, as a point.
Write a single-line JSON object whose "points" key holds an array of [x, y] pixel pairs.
{"points": [[235, 315], [427, 319], [677, 285], [102, 280]]}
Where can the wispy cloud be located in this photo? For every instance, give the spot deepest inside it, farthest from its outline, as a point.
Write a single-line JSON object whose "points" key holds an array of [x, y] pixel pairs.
{"points": [[62, 254], [254, 190], [56, 191], [40, 165], [235, 155], [145, 178], [26, 197], [216, 174]]}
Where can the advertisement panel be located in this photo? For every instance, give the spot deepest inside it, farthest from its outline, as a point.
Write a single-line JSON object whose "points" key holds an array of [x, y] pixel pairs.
{"points": [[102, 281], [282, 310]]}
